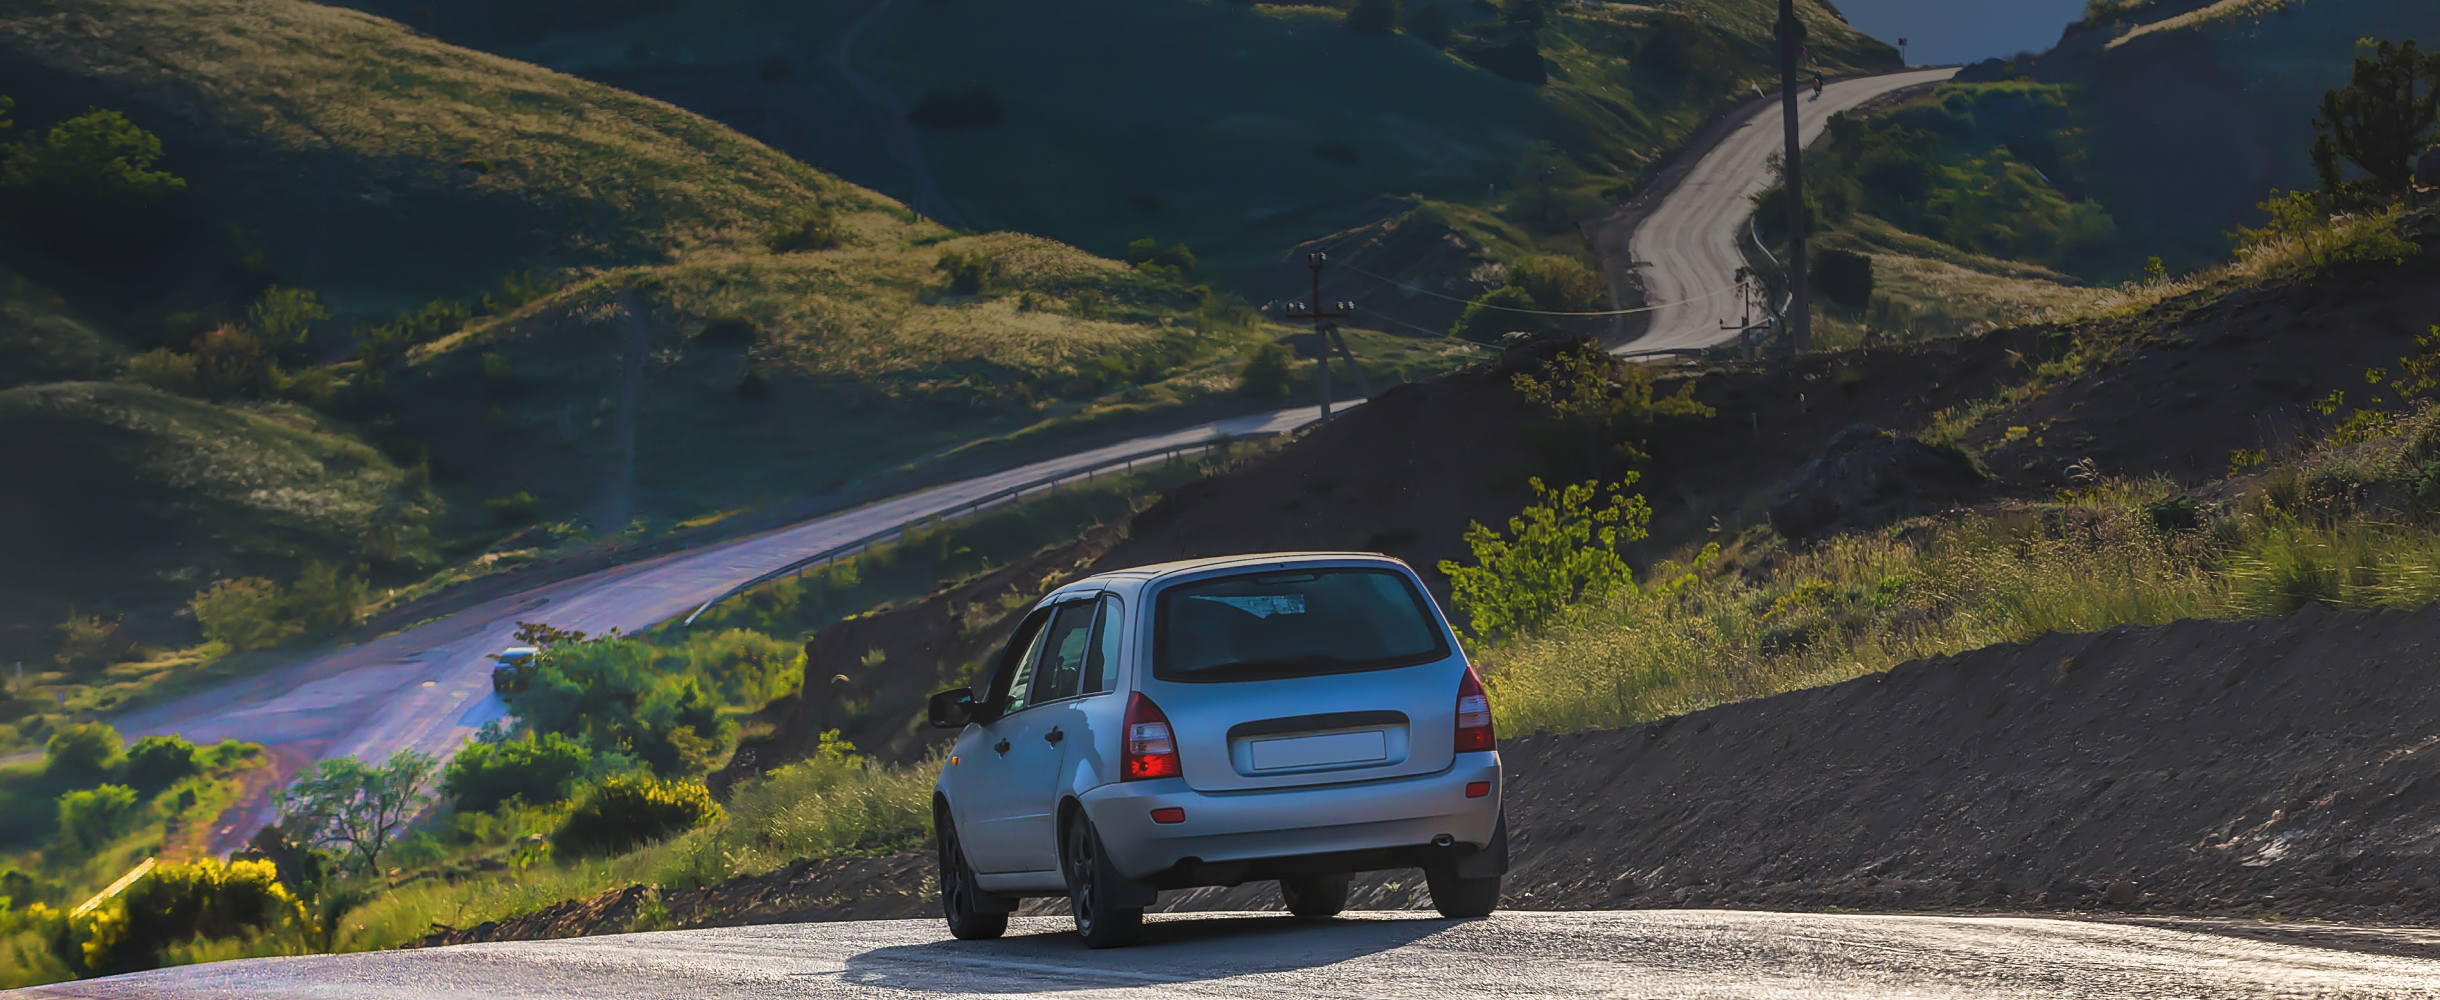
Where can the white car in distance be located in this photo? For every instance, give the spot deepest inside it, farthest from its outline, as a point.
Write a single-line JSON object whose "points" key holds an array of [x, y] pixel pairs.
{"points": [[1297, 716]]}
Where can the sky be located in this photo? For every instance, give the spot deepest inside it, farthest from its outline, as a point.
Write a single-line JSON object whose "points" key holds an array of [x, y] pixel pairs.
{"points": [[1963, 31]]}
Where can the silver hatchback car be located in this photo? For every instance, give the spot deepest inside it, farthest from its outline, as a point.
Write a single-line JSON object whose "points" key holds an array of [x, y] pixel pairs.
{"points": [[1290, 716]]}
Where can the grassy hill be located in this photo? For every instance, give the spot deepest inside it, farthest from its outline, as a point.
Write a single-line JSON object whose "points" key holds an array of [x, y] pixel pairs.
{"points": [[342, 154], [1239, 129]]}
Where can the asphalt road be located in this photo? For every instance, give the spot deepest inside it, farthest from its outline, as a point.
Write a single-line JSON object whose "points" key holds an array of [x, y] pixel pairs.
{"points": [[1678, 954], [428, 687], [1686, 248]]}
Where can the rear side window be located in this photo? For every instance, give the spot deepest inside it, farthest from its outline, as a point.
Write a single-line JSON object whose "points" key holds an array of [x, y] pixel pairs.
{"points": [[1068, 644], [1265, 626]]}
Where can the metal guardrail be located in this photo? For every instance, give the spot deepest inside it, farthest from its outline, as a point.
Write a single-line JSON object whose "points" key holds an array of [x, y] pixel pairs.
{"points": [[117, 887], [971, 508]]}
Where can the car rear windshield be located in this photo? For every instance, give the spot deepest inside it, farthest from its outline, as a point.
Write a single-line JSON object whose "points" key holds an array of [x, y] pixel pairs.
{"points": [[1293, 623]]}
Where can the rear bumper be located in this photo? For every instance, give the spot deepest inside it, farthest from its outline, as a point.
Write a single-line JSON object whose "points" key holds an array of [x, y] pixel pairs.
{"points": [[1230, 837]]}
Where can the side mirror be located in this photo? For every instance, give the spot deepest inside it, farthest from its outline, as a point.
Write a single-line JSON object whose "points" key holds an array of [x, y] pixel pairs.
{"points": [[951, 709]]}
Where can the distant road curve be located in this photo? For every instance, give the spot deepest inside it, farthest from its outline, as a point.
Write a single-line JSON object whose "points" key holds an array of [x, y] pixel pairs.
{"points": [[429, 687], [1680, 954], [1686, 248]]}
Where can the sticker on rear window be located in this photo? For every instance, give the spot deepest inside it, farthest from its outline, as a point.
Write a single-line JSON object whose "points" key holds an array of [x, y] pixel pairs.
{"points": [[1262, 606]]}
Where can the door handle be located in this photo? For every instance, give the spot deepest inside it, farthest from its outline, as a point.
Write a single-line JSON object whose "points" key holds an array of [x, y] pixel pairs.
{"points": [[1001, 747], [1054, 736]]}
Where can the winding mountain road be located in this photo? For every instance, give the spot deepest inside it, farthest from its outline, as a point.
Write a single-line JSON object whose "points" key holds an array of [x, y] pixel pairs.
{"points": [[1686, 247], [1680, 954], [428, 687]]}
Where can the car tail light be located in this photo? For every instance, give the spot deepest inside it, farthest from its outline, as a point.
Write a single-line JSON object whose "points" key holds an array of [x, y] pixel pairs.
{"points": [[1168, 815], [1152, 749], [1473, 716], [1474, 789]]}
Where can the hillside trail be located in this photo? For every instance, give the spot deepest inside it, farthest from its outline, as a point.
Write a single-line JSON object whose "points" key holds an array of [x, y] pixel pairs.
{"points": [[927, 199], [1680, 236]]}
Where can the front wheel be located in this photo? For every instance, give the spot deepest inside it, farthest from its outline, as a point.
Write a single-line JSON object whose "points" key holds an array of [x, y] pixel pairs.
{"points": [[1457, 898], [959, 897], [1314, 897], [1101, 925]]}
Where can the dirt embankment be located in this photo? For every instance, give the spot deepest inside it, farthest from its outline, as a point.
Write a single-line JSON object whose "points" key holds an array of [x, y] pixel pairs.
{"points": [[2286, 767]]}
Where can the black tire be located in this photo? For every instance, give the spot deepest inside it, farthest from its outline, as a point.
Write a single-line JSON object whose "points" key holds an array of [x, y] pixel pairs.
{"points": [[1101, 926], [1315, 897], [958, 891], [1459, 898]]}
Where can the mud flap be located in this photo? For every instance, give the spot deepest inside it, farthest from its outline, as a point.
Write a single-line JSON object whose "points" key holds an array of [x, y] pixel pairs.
{"points": [[1486, 861], [1118, 892]]}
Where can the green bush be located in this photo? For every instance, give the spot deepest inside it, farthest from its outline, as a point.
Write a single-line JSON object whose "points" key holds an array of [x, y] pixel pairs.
{"points": [[242, 613], [283, 320], [1564, 551], [324, 600], [89, 186], [539, 770], [1844, 277], [83, 751], [91, 818], [1268, 372], [813, 230], [175, 904], [1174, 261], [729, 330], [969, 273], [1560, 284], [626, 811], [621, 694], [1494, 315], [164, 369], [157, 762], [87, 641]]}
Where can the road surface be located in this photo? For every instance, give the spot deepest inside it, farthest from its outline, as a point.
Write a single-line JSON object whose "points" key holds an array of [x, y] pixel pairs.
{"points": [[429, 687], [1686, 248], [1678, 954]]}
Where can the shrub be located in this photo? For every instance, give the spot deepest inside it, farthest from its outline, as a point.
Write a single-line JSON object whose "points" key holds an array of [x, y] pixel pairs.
{"points": [[163, 369], [88, 641], [157, 762], [516, 508], [283, 320], [242, 614], [324, 600], [1377, 17], [620, 693], [539, 770], [969, 273], [83, 751], [1268, 372], [812, 230], [1559, 284], [1564, 551], [1844, 277], [175, 904], [1496, 313], [91, 818], [1176, 259], [89, 185], [729, 330], [970, 107], [626, 811]]}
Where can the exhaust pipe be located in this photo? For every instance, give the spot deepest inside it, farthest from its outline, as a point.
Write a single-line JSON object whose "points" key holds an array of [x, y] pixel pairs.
{"points": [[1444, 840]]}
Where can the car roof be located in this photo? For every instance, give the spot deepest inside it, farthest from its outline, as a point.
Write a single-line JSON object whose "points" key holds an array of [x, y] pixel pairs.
{"points": [[1139, 575]]}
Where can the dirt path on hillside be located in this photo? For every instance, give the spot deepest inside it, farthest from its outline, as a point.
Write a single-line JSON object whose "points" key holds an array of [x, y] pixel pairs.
{"points": [[927, 199]]}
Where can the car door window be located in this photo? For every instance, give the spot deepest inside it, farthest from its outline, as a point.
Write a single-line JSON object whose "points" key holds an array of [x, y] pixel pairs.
{"points": [[1101, 666], [1012, 680], [1066, 645]]}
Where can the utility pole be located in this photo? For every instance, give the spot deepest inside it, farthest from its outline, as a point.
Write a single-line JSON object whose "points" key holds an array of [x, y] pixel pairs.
{"points": [[1326, 335], [1800, 308]]}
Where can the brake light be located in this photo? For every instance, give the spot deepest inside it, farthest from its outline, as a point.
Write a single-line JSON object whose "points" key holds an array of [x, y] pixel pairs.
{"points": [[1474, 715], [1151, 750]]}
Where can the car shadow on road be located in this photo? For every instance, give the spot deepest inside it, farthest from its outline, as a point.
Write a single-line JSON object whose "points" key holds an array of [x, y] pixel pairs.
{"points": [[1045, 955]]}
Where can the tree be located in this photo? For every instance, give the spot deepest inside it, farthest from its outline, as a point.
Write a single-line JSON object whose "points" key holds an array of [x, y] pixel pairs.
{"points": [[2384, 116], [91, 186], [612, 695], [83, 751], [1844, 277], [157, 762], [90, 819], [283, 318], [1559, 284], [1564, 551], [346, 803], [1500, 311], [1592, 391], [1267, 373], [242, 614], [1376, 17]]}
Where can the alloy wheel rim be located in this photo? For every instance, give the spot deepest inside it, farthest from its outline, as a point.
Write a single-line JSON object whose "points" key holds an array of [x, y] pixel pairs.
{"points": [[1082, 854]]}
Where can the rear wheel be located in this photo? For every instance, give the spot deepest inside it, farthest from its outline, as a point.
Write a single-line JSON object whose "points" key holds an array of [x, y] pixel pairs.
{"points": [[1315, 896], [1102, 926], [958, 893], [1458, 897]]}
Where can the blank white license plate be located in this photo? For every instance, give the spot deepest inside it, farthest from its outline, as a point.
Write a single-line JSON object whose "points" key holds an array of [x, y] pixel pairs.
{"points": [[1315, 751]]}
